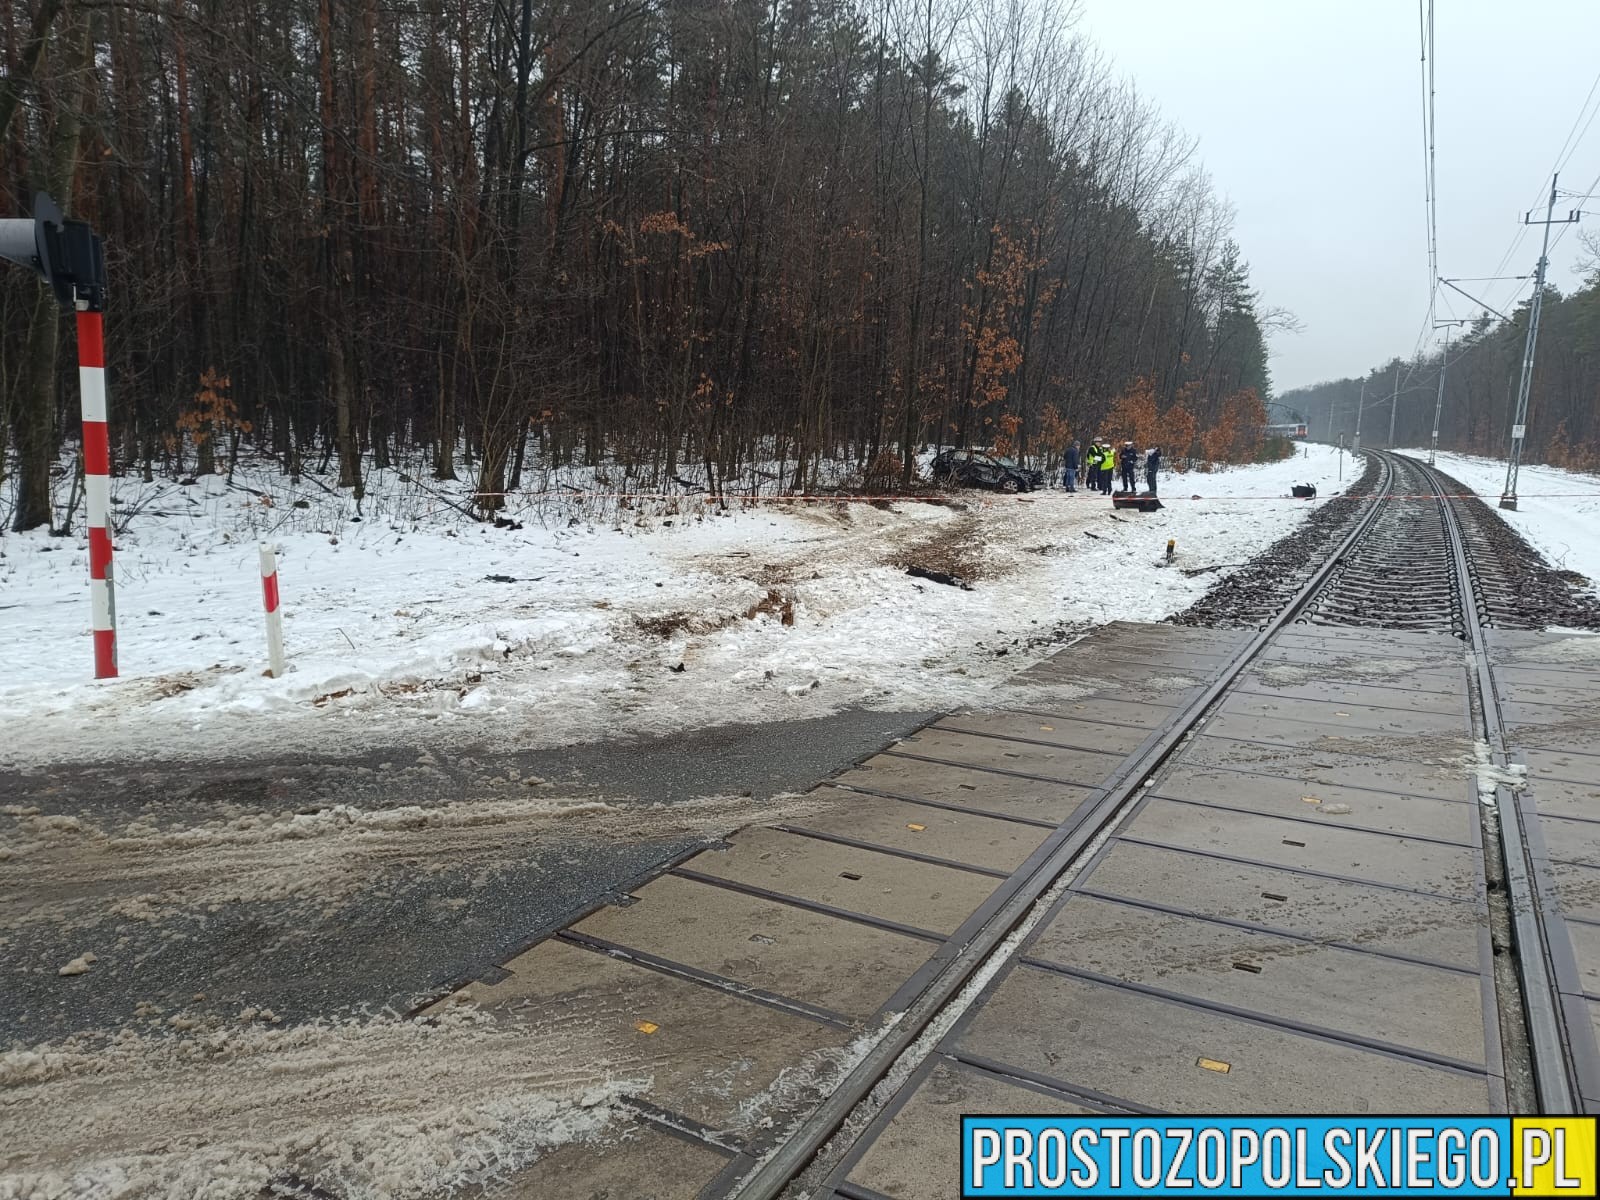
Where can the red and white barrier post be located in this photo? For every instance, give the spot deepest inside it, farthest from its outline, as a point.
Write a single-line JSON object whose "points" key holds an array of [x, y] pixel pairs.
{"points": [[97, 487], [70, 258], [269, 595]]}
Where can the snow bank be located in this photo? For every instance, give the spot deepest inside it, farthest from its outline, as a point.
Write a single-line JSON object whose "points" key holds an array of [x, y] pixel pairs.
{"points": [[1557, 511], [369, 1110], [413, 624]]}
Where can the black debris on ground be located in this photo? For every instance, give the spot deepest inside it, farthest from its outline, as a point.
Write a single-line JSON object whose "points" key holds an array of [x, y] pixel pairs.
{"points": [[943, 577]]}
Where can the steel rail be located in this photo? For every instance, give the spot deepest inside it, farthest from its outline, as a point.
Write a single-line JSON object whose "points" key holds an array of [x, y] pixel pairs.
{"points": [[792, 1156], [1551, 1061]]}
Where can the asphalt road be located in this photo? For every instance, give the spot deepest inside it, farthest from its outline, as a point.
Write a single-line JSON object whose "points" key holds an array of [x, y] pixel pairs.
{"points": [[412, 922]]}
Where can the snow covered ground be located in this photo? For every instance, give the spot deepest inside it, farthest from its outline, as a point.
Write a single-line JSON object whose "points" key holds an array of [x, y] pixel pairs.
{"points": [[1557, 511], [592, 620]]}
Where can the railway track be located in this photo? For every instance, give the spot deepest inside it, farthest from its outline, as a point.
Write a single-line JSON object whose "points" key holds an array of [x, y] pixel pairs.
{"points": [[1286, 862], [1421, 565]]}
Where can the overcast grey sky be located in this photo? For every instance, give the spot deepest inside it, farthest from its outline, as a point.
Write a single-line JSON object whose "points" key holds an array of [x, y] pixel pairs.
{"points": [[1309, 119]]}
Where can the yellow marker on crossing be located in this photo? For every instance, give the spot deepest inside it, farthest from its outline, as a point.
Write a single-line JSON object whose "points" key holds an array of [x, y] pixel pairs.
{"points": [[1212, 1064], [646, 1026]]}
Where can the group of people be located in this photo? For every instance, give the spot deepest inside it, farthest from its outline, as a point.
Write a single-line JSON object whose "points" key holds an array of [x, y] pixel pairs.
{"points": [[1103, 463]]}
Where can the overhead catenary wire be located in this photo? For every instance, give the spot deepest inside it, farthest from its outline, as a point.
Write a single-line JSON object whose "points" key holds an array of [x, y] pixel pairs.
{"points": [[1582, 122], [1430, 195], [1430, 138], [1569, 147], [1425, 34]]}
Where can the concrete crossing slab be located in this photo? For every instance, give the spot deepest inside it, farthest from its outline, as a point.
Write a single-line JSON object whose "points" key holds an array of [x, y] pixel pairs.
{"points": [[915, 894], [1351, 717], [1577, 890], [1390, 643], [1177, 1058], [1056, 731], [1144, 712], [1413, 816], [1432, 1010], [1443, 773], [982, 791], [1163, 682], [1271, 841], [1578, 720], [1548, 689], [697, 1051], [1082, 767], [1371, 692], [1575, 675], [1571, 841], [1555, 798], [1402, 743], [915, 1157], [1295, 664], [1585, 941], [982, 841], [1128, 660], [1548, 684], [821, 960], [1429, 928], [1569, 765]]}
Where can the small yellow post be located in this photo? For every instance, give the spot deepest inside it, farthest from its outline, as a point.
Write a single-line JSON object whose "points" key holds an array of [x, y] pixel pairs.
{"points": [[1172, 548]]}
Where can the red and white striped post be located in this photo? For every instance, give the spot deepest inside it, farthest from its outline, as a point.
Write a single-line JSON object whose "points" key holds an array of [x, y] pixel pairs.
{"points": [[97, 487], [269, 596], [70, 258]]}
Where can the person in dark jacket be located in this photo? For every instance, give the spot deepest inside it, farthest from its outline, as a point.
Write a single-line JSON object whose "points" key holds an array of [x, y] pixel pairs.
{"points": [[1128, 458], [1069, 478], [1152, 464]]}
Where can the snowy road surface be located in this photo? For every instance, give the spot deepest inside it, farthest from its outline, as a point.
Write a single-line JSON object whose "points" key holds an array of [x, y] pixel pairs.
{"points": [[313, 885], [207, 967], [415, 625]]}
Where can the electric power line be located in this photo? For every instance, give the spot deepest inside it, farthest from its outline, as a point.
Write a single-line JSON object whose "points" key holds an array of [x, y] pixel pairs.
{"points": [[1430, 182], [1560, 161], [1569, 147]]}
